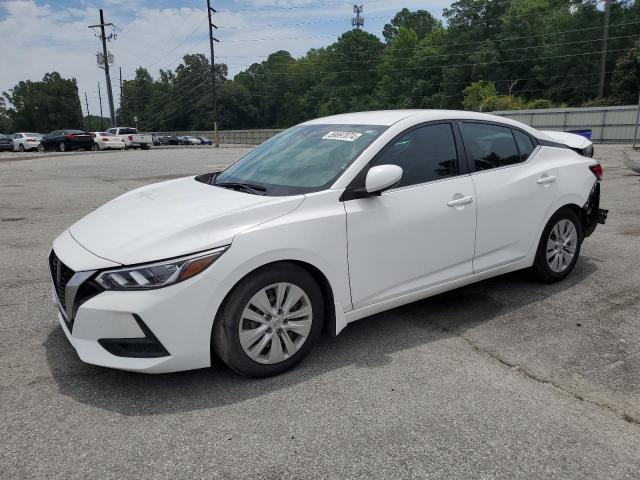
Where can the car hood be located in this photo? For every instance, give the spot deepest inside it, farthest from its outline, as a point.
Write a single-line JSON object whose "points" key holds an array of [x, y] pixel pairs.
{"points": [[174, 218]]}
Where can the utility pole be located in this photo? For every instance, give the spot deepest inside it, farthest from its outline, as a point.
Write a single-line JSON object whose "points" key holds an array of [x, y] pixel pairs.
{"points": [[603, 55], [358, 21], [100, 99], [121, 102], [635, 131], [213, 74], [105, 58], [86, 102]]}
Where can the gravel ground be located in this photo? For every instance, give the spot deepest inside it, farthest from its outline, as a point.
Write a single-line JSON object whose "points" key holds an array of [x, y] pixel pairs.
{"points": [[503, 379]]}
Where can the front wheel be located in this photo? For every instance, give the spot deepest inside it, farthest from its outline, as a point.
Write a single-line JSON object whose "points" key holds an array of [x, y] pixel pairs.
{"points": [[21, 148], [41, 148], [559, 246], [62, 147], [270, 321]]}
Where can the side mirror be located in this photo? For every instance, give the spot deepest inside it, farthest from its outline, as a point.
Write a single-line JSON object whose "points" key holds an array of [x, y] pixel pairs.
{"points": [[382, 177]]}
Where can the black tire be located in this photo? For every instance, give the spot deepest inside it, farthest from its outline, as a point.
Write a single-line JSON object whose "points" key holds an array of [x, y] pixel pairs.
{"points": [[226, 336], [21, 148], [62, 147], [95, 147], [541, 269], [41, 148]]}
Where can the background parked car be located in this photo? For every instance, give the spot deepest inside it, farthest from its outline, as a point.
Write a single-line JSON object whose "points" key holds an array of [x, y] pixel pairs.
{"points": [[194, 140], [104, 141], [184, 140], [65, 140], [167, 140], [205, 141], [26, 141], [132, 138], [6, 143]]}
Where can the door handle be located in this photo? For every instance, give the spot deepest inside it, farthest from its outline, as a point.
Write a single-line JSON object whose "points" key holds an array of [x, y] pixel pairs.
{"points": [[458, 202], [546, 179]]}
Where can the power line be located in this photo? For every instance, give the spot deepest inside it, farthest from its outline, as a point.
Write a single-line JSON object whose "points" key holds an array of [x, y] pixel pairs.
{"points": [[455, 44], [467, 53], [442, 66]]}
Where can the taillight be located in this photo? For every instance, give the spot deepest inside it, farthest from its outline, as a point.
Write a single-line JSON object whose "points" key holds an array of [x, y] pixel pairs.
{"points": [[71, 136], [596, 170], [105, 139], [131, 138]]}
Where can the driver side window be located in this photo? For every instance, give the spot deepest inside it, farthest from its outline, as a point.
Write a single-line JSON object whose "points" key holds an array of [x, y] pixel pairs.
{"points": [[425, 154]]}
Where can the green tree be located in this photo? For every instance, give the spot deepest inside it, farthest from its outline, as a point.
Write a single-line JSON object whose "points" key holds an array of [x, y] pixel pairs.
{"points": [[626, 76], [6, 124], [420, 21], [43, 106]]}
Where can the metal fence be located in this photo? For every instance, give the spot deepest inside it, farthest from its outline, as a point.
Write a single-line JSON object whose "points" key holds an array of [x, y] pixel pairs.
{"points": [[608, 124], [233, 137]]}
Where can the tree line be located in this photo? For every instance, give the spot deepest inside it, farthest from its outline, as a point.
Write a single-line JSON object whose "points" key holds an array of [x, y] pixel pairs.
{"points": [[487, 55]]}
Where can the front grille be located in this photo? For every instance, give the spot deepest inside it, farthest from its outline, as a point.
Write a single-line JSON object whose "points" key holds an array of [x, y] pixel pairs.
{"points": [[60, 274]]}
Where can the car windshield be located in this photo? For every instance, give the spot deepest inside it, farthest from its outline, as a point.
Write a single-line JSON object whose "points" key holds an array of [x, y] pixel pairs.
{"points": [[302, 159]]}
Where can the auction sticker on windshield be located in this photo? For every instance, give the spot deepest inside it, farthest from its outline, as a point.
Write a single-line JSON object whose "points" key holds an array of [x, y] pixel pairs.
{"points": [[344, 136]]}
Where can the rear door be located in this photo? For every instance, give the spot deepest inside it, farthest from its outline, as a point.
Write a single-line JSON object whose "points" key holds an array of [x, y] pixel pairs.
{"points": [[419, 233], [515, 183]]}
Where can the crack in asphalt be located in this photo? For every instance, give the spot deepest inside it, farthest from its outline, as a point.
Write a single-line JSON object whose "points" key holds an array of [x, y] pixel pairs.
{"points": [[519, 368]]}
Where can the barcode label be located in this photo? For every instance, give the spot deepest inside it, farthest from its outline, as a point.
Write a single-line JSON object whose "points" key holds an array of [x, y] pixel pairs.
{"points": [[343, 136]]}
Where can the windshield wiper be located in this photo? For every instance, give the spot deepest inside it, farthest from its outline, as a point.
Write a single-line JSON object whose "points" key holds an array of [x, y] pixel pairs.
{"points": [[248, 187]]}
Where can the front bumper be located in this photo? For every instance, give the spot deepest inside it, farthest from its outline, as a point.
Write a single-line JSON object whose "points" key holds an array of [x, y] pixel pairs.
{"points": [[152, 331]]}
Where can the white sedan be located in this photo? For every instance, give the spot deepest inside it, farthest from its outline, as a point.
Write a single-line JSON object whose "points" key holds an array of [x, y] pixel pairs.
{"points": [[106, 141], [328, 222], [24, 141]]}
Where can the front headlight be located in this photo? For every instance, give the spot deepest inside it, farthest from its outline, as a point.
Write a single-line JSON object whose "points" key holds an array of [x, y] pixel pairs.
{"points": [[158, 274]]}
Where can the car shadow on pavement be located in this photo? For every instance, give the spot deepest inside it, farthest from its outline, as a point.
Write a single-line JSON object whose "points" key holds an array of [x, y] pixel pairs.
{"points": [[368, 343]]}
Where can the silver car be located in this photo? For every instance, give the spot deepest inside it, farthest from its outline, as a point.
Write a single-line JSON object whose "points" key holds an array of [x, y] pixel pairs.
{"points": [[26, 141]]}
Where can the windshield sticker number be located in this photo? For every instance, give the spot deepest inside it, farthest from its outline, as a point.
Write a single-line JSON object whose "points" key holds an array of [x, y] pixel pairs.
{"points": [[343, 136]]}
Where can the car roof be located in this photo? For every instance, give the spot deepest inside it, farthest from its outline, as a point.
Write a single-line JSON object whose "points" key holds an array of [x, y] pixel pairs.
{"points": [[390, 117]]}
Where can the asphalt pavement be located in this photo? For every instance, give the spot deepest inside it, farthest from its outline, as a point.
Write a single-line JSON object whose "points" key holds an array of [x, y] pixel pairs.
{"points": [[504, 379]]}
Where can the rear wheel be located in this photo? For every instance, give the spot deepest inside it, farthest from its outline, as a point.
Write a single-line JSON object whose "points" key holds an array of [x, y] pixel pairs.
{"points": [[270, 321], [559, 246], [41, 148], [21, 148]]}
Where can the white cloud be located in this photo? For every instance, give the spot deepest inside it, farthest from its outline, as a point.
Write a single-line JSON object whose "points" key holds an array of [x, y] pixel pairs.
{"points": [[39, 37]]}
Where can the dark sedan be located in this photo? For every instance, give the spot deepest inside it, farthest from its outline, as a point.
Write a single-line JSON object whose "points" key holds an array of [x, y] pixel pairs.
{"points": [[167, 140], [66, 140], [5, 143]]}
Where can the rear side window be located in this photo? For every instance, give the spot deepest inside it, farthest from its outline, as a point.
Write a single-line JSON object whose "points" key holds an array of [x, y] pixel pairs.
{"points": [[128, 131], [489, 146], [425, 154], [525, 144]]}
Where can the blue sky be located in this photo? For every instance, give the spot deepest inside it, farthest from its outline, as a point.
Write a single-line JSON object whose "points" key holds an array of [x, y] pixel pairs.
{"points": [[42, 36]]}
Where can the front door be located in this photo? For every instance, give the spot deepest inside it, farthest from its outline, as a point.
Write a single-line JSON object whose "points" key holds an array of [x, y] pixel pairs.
{"points": [[421, 232]]}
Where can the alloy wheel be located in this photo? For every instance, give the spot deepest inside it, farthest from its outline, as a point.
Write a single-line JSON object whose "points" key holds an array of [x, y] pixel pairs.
{"points": [[275, 323], [561, 245], [62, 146]]}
